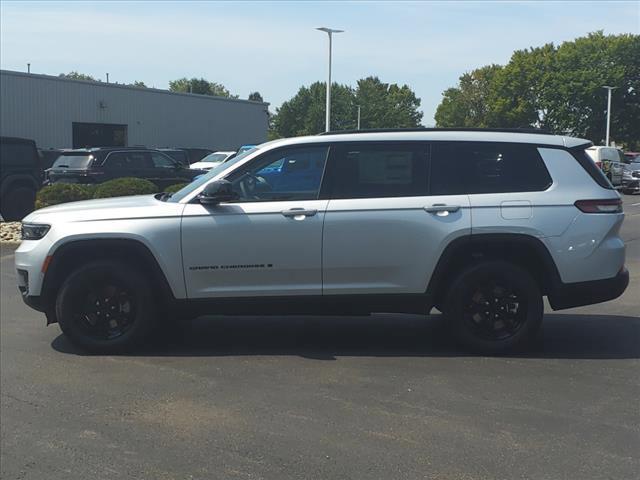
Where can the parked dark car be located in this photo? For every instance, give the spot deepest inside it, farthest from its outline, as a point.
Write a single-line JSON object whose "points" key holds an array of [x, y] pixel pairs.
{"points": [[195, 154], [97, 165], [20, 177]]}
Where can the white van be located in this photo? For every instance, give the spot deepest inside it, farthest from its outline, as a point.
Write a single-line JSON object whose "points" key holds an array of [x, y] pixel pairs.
{"points": [[608, 160]]}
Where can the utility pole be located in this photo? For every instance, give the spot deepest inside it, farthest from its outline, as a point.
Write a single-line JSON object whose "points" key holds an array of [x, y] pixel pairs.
{"points": [[330, 32], [358, 117], [609, 89]]}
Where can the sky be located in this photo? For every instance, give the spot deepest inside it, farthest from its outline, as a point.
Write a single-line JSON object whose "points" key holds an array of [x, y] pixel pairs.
{"points": [[273, 47]]}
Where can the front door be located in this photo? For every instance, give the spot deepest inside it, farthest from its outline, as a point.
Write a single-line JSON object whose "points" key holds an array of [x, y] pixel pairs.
{"points": [[266, 243]]}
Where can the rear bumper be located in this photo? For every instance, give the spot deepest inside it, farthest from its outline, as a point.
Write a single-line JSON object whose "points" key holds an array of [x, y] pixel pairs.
{"points": [[570, 295]]}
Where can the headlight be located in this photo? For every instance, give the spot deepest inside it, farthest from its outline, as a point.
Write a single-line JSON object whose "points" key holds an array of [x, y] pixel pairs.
{"points": [[34, 231]]}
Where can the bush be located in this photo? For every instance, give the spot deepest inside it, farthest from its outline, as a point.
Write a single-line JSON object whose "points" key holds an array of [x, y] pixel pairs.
{"points": [[121, 187], [175, 188], [63, 193]]}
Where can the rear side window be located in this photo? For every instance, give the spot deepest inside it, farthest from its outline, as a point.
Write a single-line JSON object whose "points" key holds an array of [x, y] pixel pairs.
{"points": [[486, 167], [128, 161], [364, 170], [18, 154], [594, 172]]}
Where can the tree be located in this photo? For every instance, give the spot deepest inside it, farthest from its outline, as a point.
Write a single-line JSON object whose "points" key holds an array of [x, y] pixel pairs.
{"points": [[199, 86], [556, 88], [138, 83], [256, 97], [382, 105], [468, 104], [73, 75]]}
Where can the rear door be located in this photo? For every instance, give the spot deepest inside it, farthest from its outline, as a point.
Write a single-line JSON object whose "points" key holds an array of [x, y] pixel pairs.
{"points": [[384, 229]]}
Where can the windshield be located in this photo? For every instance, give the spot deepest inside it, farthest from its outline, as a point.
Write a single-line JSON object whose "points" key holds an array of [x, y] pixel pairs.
{"points": [[214, 172], [69, 160], [214, 158]]}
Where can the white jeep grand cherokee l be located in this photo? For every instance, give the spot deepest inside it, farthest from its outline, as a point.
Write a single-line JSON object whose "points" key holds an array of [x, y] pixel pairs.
{"points": [[478, 224]]}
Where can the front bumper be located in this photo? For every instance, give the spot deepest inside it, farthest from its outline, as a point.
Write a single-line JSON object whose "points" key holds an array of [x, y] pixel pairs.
{"points": [[570, 295], [631, 184]]}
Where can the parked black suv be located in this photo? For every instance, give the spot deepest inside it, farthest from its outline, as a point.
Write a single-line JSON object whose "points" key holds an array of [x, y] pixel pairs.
{"points": [[20, 177], [97, 165]]}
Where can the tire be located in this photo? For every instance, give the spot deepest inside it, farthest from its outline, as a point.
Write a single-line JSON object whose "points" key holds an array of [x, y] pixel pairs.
{"points": [[513, 304], [106, 307], [17, 203]]}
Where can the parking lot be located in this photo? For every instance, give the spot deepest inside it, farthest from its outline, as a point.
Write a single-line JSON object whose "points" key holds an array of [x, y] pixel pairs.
{"points": [[381, 397]]}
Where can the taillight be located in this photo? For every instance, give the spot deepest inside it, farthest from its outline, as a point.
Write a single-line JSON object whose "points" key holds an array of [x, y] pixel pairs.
{"points": [[600, 206]]}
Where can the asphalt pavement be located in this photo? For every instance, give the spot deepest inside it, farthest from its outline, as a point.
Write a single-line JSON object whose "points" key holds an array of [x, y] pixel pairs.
{"points": [[380, 397]]}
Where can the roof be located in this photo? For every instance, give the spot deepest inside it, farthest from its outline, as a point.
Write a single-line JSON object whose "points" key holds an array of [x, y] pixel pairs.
{"points": [[101, 84], [461, 135]]}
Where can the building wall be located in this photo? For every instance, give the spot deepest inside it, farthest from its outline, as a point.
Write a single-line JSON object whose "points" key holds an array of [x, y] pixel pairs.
{"points": [[43, 108]]}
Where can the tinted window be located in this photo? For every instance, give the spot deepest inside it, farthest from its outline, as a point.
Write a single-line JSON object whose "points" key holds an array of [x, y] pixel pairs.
{"points": [[378, 170], [18, 154], [162, 161], [128, 160], [483, 167], [287, 174], [77, 161], [179, 156]]}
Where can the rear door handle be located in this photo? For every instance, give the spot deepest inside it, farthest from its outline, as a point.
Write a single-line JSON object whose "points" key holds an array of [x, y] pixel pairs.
{"points": [[441, 207], [299, 212]]}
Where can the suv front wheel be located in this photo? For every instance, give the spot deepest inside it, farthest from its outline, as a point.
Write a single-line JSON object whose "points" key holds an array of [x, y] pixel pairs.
{"points": [[106, 307], [494, 307]]}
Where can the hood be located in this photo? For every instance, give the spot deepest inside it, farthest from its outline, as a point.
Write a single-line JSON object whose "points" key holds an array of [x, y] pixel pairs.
{"points": [[204, 165], [117, 208]]}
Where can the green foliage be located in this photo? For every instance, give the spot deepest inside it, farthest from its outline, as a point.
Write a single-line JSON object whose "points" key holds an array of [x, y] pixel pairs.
{"points": [[199, 86], [256, 97], [557, 88], [73, 75], [138, 83], [125, 186], [62, 193], [175, 188], [382, 105]]}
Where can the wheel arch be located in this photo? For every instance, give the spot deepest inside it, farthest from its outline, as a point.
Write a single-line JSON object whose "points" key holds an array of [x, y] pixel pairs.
{"points": [[523, 250], [73, 254]]}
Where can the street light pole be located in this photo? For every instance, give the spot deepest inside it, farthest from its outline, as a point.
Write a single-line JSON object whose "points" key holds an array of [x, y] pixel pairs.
{"points": [[358, 117], [609, 89], [330, 32]]}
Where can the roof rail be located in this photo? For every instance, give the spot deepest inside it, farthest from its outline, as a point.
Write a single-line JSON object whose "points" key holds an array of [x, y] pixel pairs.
{"points": [[426, 129]]}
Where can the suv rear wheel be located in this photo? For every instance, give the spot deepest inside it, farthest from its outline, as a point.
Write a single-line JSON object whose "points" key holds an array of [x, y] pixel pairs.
{"points": [[106, 307], [494, 307]]}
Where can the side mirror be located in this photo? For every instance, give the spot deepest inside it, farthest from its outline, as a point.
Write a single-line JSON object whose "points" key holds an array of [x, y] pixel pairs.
{"points": [[217, 192]]}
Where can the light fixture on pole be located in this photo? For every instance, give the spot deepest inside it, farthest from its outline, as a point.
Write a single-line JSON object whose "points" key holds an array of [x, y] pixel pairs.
{"points": [[330, 32], [609, 89]]}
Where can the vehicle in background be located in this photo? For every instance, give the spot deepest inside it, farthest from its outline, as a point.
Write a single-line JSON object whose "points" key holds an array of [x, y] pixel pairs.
{"points": [[20, 177], [631, 176], [631, 156], [179, 155], [480, 225], [212, 160], [97, 165], [608, 160], [48, 156], [245, 148]]}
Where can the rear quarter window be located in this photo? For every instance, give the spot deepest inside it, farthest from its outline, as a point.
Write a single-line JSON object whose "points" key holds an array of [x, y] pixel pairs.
{"points": [[486, 167]]}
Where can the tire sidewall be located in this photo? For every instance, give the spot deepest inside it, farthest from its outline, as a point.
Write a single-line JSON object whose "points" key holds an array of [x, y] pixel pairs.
{"points": [[513, 276], [128, 277]]}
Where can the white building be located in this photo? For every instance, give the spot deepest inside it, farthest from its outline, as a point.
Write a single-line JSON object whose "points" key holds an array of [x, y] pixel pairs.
{"points": [[62, 113]]}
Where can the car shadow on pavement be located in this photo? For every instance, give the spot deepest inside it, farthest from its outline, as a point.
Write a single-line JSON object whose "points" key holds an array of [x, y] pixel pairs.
{"points": [[325, 338]]}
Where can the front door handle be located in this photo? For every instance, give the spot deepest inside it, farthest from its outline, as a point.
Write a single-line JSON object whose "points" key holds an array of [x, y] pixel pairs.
{"points": [[441, 208], [299, 212]]}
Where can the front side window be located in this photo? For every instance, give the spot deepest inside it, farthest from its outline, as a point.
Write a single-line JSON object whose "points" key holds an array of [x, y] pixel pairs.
{"points": [[378, 170], [287, 174], [161, 161], [486, 167]]}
